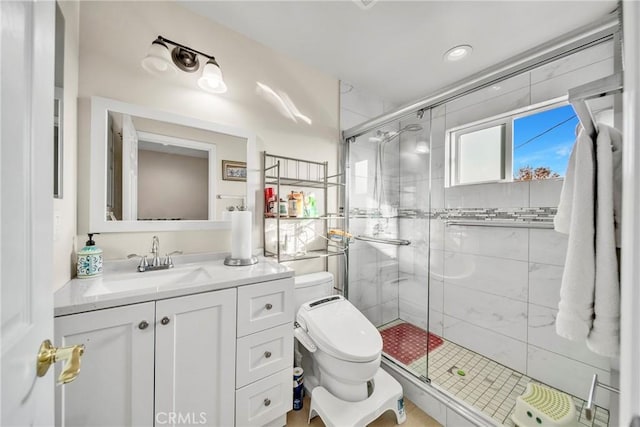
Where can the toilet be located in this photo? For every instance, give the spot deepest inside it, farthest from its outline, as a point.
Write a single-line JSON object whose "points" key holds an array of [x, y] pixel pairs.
{"points": [[341, 350]]}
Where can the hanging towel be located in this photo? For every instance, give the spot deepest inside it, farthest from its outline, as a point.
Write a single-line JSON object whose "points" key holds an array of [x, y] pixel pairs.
{"points": [[604, 337], [575, 217]]}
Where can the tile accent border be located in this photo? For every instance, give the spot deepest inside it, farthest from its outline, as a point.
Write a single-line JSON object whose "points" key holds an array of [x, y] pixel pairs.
{"points": [[543, 214]]}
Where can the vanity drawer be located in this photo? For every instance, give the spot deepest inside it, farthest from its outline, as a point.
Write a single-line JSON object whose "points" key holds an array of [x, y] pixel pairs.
{"points": [[265, 400], [264, 353], [264, 306]]}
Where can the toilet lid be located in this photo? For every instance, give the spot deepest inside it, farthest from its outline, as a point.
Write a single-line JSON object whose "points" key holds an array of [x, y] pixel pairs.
{"points": [[339, 329]]}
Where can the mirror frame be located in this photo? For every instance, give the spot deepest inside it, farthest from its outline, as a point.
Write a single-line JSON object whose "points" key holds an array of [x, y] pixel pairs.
{"points": [[100, 108]]}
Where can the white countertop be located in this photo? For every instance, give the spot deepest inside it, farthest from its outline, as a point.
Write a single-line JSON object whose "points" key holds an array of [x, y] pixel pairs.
{"points": [[121, 284]]}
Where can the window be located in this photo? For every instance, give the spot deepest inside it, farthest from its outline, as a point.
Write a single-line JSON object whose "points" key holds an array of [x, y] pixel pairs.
{"points": [[518, 146], [542, 142]]}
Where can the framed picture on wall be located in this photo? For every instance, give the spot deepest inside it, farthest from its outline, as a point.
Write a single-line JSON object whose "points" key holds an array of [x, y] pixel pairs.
{"points": [[234, 171]]}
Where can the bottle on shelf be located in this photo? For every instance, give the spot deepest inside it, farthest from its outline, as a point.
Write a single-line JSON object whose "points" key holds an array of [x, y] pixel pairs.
{"points": [[293, 205], [283, 208], [270, 202]]}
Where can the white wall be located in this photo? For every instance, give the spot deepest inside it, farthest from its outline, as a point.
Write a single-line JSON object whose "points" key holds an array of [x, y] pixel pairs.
{"points": [[64, 210], [115, 36]]}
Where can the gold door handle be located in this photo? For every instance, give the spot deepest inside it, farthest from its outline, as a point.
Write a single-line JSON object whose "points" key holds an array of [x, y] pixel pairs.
{"points": [[48, 355]]}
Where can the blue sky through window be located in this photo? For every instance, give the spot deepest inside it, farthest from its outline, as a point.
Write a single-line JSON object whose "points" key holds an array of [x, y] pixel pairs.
{"points": [[549, 150]]}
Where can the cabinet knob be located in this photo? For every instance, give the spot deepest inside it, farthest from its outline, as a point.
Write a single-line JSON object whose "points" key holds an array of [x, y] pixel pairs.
{"points": [[165, 320], [267, 402], [268, 306], [143, 325], [267, 354]]}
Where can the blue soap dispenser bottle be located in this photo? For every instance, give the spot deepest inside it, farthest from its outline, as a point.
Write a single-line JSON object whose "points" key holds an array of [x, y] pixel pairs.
{"points": [[89, 260]]}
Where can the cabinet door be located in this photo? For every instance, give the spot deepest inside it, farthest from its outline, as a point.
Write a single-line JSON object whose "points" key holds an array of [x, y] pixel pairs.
{"points": [[115, 387], [195, 359]]}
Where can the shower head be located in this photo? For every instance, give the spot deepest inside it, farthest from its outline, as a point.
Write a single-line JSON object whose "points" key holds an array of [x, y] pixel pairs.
{"points": [[411, 128], [387, 136]]}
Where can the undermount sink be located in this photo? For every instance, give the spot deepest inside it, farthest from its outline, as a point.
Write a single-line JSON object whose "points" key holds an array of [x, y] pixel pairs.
{"points": [[154, 279]]}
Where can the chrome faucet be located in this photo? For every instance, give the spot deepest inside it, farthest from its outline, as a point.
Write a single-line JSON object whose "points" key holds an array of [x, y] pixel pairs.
{"points": [[156, 263], [155, 250]]}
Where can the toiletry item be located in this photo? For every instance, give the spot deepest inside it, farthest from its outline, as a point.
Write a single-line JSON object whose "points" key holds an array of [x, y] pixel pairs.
{"points": [[241, 235], [312, 205], [293, 204], [89, 260], [299, 203], [283, 208], [339, 235], [270, 201], [298, 388]]}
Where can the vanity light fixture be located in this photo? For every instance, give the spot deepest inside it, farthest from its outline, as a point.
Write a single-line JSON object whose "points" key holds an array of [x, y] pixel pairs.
{"points": [[457, 53], [161, 61]]}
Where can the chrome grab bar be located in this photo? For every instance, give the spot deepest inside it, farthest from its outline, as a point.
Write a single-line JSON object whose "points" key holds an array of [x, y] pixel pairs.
{"points": [[396, 242], [510, 224], [592, 394]]}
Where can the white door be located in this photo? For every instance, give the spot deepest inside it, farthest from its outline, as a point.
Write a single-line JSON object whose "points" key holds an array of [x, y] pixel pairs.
{"points": [[115, 386], [129, 169], [26, 208], [195, 359]]}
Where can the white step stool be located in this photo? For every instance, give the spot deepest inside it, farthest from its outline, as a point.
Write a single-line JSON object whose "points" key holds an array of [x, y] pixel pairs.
{"points": [[387, 395]]}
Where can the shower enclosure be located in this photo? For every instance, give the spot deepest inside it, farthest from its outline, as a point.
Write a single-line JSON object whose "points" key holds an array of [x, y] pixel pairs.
{"points": [[452, 302], [462, 279]]}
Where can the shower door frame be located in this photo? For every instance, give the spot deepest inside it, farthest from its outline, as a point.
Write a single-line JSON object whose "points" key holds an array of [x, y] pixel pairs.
{"points": [[344, 157]]}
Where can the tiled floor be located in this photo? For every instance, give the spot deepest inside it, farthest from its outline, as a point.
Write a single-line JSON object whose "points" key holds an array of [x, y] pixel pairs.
{"points": [[415, 417], [482, 382]]}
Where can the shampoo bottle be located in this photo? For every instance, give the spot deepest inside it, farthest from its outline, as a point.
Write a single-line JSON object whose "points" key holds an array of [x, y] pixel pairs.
{"points": [[89, 260]]}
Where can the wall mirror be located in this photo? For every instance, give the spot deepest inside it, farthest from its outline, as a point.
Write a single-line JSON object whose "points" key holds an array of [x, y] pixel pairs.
{"points": [[154, 170]]}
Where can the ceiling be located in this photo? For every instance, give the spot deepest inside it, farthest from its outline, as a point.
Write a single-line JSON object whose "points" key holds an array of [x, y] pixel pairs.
{"points": [[394, 49]]}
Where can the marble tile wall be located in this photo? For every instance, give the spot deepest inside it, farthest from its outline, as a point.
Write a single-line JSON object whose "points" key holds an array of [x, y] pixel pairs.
{"points": [[496, 290]]}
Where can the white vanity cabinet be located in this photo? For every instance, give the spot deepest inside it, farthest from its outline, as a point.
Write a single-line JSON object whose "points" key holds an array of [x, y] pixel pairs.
{"points": [[195, 348], [218, 358], [186, 345], [264, 369], [115, 385]]}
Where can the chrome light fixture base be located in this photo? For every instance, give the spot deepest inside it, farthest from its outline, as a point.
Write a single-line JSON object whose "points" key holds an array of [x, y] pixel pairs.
{"points": [[185, 60], [239, 262]]}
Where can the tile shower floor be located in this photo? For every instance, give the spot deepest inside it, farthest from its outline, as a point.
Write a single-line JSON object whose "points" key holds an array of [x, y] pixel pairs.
{"points": [[486, 384]]}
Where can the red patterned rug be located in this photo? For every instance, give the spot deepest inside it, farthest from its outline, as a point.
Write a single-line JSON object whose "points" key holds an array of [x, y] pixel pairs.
{"points": [[408, 343]]}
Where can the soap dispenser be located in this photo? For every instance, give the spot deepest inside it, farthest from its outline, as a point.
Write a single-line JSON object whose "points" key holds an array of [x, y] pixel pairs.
{"points": [[89, 260]]}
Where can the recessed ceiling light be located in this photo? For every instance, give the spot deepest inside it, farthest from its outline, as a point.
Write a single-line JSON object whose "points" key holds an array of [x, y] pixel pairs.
{"points": [[456, 53]]}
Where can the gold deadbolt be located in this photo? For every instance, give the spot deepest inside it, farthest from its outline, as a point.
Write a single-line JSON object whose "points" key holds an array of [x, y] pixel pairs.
{"points": [[48, 355]]}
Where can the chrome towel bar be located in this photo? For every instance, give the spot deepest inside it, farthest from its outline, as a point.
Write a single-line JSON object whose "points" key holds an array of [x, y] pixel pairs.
{"points": [[396, 242], [510, 224]]}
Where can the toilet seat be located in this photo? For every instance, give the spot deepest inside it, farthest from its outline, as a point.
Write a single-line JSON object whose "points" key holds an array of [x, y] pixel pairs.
{"points": [[340, 330]]}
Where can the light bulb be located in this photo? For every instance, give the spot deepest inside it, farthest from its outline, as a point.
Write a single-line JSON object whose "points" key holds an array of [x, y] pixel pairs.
{"points": [[211, 80], [158, 61]]}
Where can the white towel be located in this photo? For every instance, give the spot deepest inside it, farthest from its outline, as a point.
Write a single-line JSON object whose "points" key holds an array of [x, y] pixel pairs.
{"points": [[575, 217], [604, 338]]}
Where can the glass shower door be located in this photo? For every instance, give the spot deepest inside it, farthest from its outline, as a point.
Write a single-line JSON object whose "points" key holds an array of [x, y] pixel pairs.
{"points": [[388, 205]]}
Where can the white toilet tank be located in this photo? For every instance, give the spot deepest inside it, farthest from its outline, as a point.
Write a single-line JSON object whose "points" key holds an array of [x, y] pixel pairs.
{"points": [[311, 286]]}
